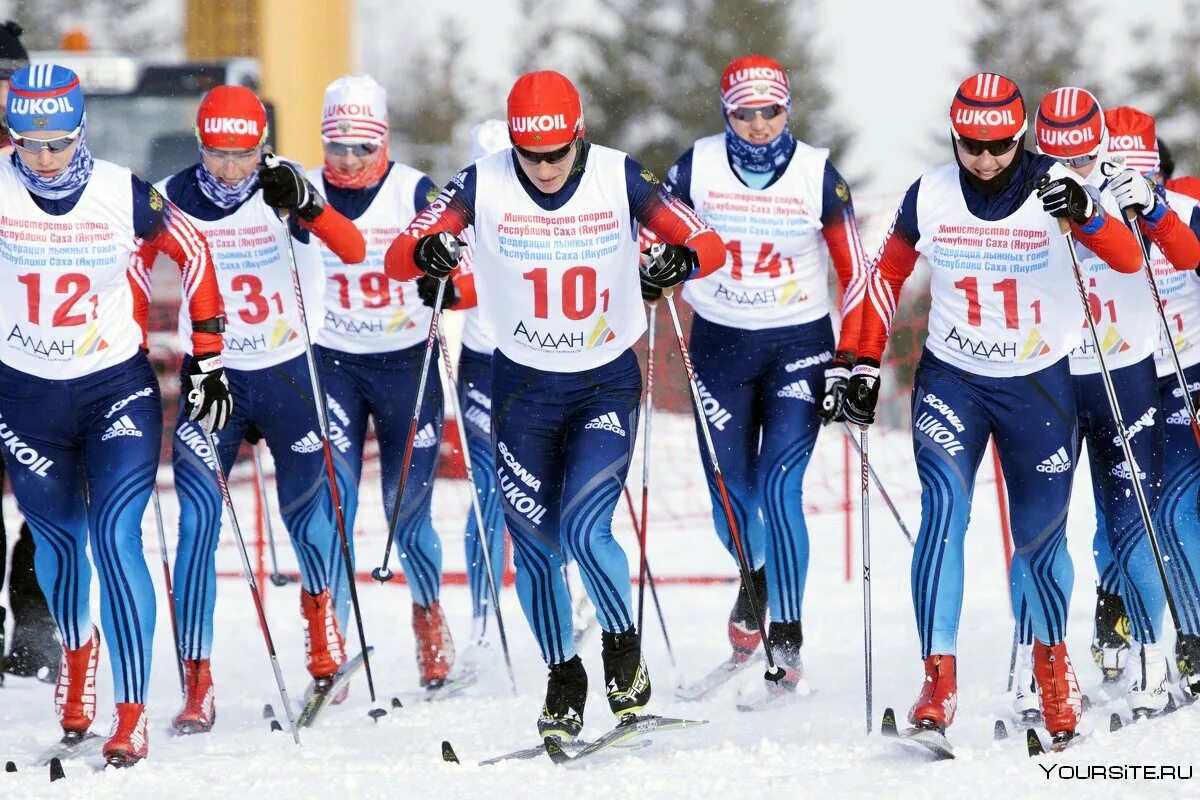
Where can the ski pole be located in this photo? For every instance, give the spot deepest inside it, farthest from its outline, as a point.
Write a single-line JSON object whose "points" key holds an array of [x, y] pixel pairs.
{"points": [[868, 649], [1122, 432], [887, 500], [330, 473], [382, 573], [662, 622], [248, 571], [773, 673], [260, 481], [479, 526], [166, 566], [648, 416]]}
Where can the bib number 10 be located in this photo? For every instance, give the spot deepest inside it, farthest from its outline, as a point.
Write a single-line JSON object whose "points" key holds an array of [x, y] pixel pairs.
{"points": [[577, 293]]}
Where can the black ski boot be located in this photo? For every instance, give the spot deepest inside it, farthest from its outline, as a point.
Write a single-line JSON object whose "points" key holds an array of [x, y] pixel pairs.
{"points": [[744, 635], [566, 694], [1111, 637], [785, 640], [36, 650], [626, 678], [1187, 658]]}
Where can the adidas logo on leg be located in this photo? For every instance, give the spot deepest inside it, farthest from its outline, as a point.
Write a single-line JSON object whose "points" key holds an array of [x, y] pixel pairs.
{"points": [[123, 426], [311, 443], [606, 422], [426, 437], [1058, 462], [797, 390]]}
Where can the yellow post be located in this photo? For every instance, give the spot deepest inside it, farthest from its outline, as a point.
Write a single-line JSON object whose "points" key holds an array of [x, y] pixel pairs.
{"points": [[302, 46]]}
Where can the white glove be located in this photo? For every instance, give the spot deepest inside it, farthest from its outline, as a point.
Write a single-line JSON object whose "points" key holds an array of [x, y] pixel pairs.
{"points": [[1132, 190]]}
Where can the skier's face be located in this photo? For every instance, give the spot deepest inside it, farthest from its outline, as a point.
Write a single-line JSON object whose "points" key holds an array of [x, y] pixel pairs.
{"points": [[230, 167], [548, 175], [984, 166], [353, 159], [45, 162], [764, 125]]}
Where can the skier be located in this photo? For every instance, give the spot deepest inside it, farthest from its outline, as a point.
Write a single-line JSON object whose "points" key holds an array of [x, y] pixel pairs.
{"points": [[35, 647], [475, 401], [556, 276], [1132, 139], [79, 404], [233, 198], [371, 347], [762, 342], [994, 364], [1070, 128]]}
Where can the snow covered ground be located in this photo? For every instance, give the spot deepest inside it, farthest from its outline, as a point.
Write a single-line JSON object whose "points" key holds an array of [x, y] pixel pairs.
{"points": [[816, 747]]}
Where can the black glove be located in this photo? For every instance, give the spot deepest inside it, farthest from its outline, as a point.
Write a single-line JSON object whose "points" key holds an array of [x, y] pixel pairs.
{"points": [[438, 255], [650, 292], [667, 265], [862, 392], [837, 376], [1065, 199], [208, 400], [427, 289], [285, 187]]}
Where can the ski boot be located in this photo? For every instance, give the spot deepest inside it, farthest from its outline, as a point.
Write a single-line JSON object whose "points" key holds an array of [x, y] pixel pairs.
{"points": [[1149, 685], [324, 648], [435, 648], [1026, 706], [566, 695], [1111, 638], [1187, 658], [744, 635], [785, 640], [938, 700], [129, 742], [1058, 689], [199, 710], [626, 678], [75, 694]]}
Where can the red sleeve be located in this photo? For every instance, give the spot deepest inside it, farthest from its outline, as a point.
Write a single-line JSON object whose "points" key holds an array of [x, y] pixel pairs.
{"points": [[467, 297], [885, 278], [845, 250], [674, 222], [339, 234], [439, 216], [180, 241], [1113, 242], [139, 284], [1185, 184], [1175, 239]]}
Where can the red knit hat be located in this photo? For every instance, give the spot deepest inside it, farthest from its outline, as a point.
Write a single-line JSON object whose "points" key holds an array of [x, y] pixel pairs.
{"points": [[544, 109], [1131, 136], [988, 107], [231, 118], [1069, 123], [754, 80]]}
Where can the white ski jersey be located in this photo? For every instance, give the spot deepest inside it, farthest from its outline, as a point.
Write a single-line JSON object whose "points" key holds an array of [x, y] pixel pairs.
{"points": [[250, 256], [1121, 306], [473, 335], [1003, 295], [1179, 291], [66, 308], [777, 271], [364, 310], [558, 290]]}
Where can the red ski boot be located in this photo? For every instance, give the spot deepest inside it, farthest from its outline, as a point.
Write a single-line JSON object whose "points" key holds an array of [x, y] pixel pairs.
{"points": [[1058, 689], [435, 648], [199, 704], [323, 644], [744, 635], [75, 694], [938, 700], [129, 742]]}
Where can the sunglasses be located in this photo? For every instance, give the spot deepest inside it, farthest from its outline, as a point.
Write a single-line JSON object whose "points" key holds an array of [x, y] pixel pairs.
{"points": [[553, 157], [232, 155], [360, 149], [994, 147], [747, 113], [56, 145]]}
